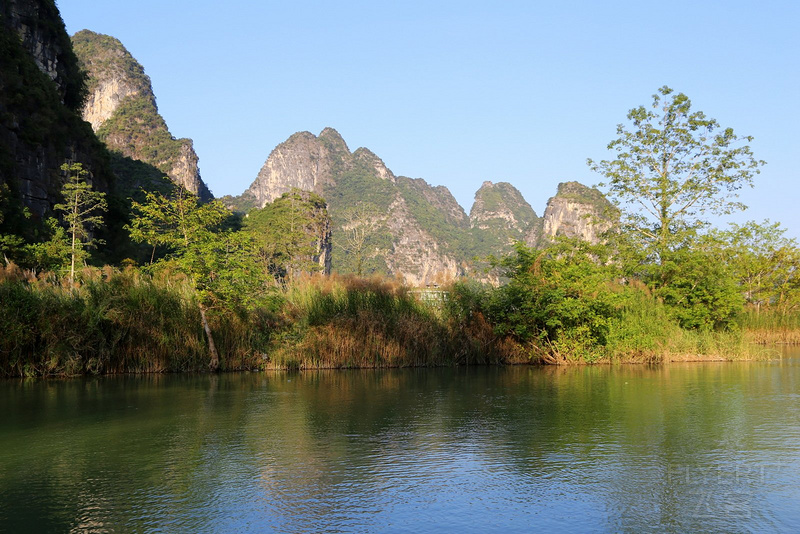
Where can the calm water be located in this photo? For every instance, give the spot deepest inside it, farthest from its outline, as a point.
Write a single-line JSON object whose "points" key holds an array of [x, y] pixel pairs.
{"points": [[694, 447]]}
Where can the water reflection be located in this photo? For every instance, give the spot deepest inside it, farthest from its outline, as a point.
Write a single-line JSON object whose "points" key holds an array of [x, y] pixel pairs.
{"points": [[685, 447]]}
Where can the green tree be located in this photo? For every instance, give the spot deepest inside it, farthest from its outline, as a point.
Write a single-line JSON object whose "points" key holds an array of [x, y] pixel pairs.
{"points": [[217, 261], [673, 168], [560, 298], [698, 286], [361, 224], [54, 253], [765, 262], [291, 234], [82, 212]]}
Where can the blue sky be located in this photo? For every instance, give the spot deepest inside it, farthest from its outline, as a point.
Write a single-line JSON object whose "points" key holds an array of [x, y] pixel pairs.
{"points": [[462, 92]]}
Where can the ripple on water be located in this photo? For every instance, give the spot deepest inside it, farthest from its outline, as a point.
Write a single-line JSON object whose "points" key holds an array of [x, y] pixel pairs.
{"points": [[684, 448]]}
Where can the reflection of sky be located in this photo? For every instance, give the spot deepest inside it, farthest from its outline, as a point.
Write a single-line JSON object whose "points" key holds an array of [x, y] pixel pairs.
{"points": [[693, 447]]}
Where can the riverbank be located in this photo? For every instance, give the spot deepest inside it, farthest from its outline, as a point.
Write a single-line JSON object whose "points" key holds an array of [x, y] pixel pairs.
{"points": [[124, 321]]}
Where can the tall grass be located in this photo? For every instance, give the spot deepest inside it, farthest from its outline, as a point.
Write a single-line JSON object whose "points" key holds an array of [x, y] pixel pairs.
{"points": [[125, 321], [768, 326], [647, 333], [641, 330], [346, 322], [114, 321]]}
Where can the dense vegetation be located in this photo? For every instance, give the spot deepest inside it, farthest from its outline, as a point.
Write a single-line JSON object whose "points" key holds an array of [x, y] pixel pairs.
{"points": [[204, 288]]}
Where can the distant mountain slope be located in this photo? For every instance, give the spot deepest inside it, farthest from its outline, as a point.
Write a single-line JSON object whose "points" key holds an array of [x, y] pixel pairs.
{"points": [[419, 231], [499, 217], [122, 109]]}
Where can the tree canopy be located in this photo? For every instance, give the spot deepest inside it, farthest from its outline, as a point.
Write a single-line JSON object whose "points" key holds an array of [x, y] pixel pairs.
{"points": [[673, 167]]}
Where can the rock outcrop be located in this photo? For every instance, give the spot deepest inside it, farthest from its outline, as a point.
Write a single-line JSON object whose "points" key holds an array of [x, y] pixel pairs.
{"points": [[41, 87], [121, 108], [41, 31], [575, 211], [418, 232], [407, 231], [500, 217], [304, 161]]}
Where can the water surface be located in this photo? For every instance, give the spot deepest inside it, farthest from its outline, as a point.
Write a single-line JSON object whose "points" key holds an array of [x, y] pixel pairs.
{"points": [[683, 447]]}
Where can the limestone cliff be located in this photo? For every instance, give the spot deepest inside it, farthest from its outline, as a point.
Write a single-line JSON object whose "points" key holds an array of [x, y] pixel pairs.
{"points": [[121, 108], [416, 254], [575, 211], [499, 217], [304, 161], [409, 236], [417, 231], [41, 86], [41, 32]]}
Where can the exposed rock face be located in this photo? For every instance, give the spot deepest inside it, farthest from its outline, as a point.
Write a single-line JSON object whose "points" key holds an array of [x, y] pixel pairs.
{"points": [[415, 254], [575, 211], [41, 86], [499, 217], [422, 233], [402, 243], [41, 30], [104, 100], [121, 108], [304, 162]]}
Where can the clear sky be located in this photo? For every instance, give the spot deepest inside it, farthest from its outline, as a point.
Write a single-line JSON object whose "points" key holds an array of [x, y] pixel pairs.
{"points": [[461, 92]]}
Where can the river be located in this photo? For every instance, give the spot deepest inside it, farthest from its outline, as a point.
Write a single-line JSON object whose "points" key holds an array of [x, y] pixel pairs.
{"points": [[675, 448]]}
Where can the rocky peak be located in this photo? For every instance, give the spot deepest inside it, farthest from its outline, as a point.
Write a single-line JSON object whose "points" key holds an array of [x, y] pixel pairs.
{"points": [[113, 75], [501, 203], [438, 198], [333, 141], [121, 108], [305, 162], [575, 211]]}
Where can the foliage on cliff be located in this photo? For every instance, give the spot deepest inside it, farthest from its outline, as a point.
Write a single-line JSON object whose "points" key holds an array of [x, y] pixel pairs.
{"points": [[135, 129], [499, 217], [105, 57], [38, 132], [43, 22]]}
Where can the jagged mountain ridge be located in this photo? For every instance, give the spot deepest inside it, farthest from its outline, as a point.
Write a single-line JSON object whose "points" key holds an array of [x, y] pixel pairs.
{"points": [[421, 228], [122, 110], [426, 236]]}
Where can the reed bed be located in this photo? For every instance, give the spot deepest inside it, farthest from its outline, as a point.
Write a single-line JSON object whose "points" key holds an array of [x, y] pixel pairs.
{"points": [[119, 321], [112, 322], [349, 322], [770, 326]]}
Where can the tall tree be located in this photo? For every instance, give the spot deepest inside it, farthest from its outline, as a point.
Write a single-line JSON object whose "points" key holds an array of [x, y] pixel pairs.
{"points": [[673, 167], [214, 259], [766, 264], [292, 234], [361, 223], [82, 212]]}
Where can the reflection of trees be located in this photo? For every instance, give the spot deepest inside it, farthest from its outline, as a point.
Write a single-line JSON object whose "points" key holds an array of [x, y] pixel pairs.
{"points": [[634, 445]]}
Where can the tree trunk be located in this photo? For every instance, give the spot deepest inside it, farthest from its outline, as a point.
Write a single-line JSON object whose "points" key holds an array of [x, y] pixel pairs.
{"points": [[213, 365], [72, 263]]}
